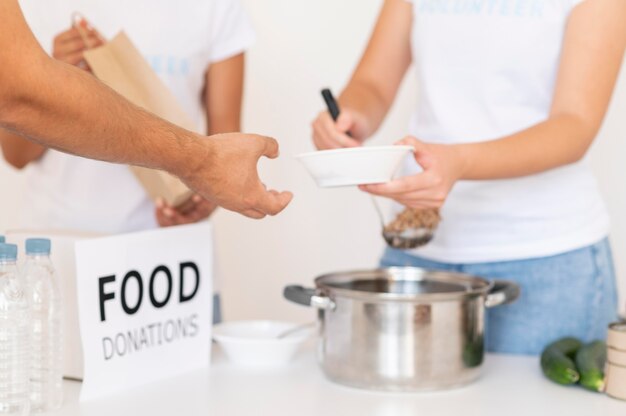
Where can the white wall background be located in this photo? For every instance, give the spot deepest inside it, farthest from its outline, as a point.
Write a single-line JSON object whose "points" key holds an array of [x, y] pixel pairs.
{"points": [[303, 46]]}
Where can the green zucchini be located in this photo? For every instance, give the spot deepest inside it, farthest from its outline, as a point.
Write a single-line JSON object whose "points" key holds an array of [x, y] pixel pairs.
{"points": [[557, 361], [590, 361], [473, 353]]}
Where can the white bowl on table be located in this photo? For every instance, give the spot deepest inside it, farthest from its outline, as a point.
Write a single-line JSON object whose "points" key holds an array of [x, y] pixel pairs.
{"points": [[256, 343], [354, 166]]}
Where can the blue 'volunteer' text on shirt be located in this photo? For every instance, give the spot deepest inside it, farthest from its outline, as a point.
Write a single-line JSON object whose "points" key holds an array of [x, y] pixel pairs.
{"points": [[504, 8], [169, 65]]}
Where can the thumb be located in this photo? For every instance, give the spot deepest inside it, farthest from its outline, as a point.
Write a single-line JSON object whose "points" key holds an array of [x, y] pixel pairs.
{"points": [[420, 151], [273, 202], [269, 147], [344, 121]]}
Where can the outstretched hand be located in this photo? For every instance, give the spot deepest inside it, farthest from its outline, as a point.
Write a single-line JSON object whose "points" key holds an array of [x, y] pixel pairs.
{"points": [[225, 172]]}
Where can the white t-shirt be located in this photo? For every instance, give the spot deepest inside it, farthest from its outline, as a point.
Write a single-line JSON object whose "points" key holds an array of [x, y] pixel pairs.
{"points": [[487, 69], [180, 40]]}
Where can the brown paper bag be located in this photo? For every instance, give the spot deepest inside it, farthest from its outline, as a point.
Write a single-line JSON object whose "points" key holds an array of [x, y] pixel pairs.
{"points": [[122, 67]]}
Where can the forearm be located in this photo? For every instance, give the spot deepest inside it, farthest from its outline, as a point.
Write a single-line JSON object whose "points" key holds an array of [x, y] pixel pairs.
{"points": [[364, 97], [375, 83], [225, 117], [224, 95], [220, 122], [557, 142], [591, 58], [61, 107], [18, 151]]}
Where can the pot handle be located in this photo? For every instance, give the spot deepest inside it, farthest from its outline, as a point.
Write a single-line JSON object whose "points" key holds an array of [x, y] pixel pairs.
{"points": [[503, 292], [307, 297]]}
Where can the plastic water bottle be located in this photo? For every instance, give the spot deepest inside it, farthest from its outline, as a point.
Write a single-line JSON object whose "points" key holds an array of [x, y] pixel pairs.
{"points": [[46, 377], [15, 352]]}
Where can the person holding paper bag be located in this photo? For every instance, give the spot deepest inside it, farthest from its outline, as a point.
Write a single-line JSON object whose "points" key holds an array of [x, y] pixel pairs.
{"points": [[62, 107], [114, 201]]}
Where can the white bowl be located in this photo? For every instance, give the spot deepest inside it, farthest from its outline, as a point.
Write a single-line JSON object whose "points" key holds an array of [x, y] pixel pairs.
{"points": [[355, 165], [255, 343]]}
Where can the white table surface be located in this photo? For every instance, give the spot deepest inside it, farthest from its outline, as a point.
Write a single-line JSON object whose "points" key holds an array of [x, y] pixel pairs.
{"points": [[510, 386]]}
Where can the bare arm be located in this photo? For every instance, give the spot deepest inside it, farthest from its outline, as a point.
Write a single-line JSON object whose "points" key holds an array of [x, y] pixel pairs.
{"points": [[223, 95], [77, 117], [593, 51], [388, 53], [84, 117], [590, 64], [375, 82], [68, 47]]}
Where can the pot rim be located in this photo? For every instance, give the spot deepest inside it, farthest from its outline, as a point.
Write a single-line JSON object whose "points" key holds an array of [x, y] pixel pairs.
{"points": [[475, 286]]}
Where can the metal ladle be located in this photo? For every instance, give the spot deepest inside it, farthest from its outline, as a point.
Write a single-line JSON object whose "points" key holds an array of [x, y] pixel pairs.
{"points": [[406, 239]]}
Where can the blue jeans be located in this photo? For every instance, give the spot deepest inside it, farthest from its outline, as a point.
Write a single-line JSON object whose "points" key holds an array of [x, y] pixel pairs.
{"points": [[571, 294]]}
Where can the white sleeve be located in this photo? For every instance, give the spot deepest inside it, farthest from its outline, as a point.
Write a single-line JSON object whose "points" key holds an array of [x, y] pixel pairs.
{"points": [[232, 31]]}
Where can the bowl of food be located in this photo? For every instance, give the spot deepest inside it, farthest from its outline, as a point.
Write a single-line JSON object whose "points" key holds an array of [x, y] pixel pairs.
{"points": [[261, 343], [354, 166]]}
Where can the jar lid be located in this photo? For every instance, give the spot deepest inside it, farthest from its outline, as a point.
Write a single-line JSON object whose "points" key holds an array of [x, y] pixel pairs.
{"points": [[617, 336]]}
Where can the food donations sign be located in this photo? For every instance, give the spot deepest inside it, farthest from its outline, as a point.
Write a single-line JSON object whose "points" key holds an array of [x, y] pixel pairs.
{"points": [[145, 307]]}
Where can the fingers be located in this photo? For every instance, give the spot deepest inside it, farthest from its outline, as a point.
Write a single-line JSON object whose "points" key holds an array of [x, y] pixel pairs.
{"points": [[163, 219], [421, 153], [187, 206], [267, 202], [203, 210], [195, 212], [68, 35], [272, 202], [254, 214], [90, 36], [403, 185], [424, 190], [340, 139], [91, 30], [72, 59], [69, 47], [337, 131], [321, 137], [330, 135], [419, 204], [77, 43], [409, 141], [344, 122], [270, 147], [326, 128]]}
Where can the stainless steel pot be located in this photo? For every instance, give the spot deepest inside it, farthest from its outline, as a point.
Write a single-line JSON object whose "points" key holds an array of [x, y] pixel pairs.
{"points": [[402, 329]]}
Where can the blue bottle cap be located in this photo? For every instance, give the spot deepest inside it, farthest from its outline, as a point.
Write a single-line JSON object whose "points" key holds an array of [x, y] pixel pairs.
{"points": [[38, 246], [8, 252], [2, 239]]}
